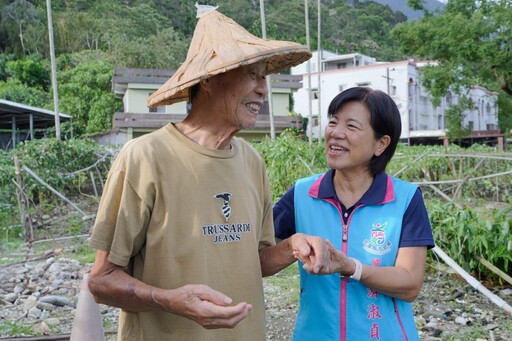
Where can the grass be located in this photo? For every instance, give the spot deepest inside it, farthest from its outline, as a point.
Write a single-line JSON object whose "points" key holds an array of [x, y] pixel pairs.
{"points": [[287, 281], [473, 332], [83, 254], [14, 328]]}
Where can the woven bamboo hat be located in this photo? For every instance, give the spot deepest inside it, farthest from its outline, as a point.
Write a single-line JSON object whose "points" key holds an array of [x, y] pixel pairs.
{"points": [[218, 45]]}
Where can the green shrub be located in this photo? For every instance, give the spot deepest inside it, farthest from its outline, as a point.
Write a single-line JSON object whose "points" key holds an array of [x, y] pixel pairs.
{"points": [[288, 158], [58, 163], [466, 233]]}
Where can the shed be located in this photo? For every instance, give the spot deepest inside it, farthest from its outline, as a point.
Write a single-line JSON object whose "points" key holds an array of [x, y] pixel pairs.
{"points": [[20, 122]]}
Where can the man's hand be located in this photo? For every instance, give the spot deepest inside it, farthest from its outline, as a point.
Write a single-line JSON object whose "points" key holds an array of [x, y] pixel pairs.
{"points": [[333, 260], [313, 251], [111, 284], [209, 308]]}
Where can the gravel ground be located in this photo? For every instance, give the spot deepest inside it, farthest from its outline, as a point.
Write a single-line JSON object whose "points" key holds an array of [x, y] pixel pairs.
{"points": [[447, 308]]}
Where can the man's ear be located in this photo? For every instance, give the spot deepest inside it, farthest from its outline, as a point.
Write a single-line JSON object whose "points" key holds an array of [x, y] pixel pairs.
{"points": [[205, 85], [382, 144]]}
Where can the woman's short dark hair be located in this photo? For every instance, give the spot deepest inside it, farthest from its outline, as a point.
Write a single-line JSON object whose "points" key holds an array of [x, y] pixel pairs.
{"points": [[384, 119]]}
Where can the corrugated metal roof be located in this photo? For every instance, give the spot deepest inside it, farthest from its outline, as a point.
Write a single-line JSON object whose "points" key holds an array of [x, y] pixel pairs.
{"points": [[42, 118]]}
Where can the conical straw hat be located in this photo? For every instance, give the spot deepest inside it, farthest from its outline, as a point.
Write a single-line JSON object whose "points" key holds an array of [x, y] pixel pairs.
{"points": [[218, 45]]}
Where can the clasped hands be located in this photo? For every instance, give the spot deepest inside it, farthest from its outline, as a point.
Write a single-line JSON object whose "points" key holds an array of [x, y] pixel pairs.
{"points": [[319, 256]]}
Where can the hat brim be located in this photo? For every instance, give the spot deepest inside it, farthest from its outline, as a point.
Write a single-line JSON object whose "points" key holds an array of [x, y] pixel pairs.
{"points": [[174, 91], [219, 45]]}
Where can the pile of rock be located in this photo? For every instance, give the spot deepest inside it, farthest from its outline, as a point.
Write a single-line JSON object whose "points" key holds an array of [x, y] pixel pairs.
{"points": [[40, 297]]}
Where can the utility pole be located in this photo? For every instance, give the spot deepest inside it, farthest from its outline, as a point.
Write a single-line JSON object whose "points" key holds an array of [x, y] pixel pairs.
{"points": [[308, 69], [54, 70], [387, 79], [319, 62], [269, 85]]}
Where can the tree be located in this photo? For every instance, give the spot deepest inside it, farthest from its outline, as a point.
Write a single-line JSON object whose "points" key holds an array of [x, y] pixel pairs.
{"points": [[454, 116], [32, 71], [21, 13], [15, 91], [25, 80], [85, 92], [471, 41]]}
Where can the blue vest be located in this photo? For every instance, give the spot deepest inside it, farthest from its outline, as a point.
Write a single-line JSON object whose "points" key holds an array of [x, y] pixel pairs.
{"points": [[339, 308]]}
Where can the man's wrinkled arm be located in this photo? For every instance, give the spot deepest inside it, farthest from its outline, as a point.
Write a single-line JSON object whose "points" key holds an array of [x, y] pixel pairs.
{"points": [[275, 258], [112, 285]]}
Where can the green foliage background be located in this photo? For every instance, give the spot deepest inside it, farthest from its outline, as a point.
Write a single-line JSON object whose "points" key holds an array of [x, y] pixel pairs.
{"points": [[93, 37], [469, 40], [476, 223]]}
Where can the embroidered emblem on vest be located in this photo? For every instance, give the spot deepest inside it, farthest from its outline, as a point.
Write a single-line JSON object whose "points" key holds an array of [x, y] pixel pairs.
{"points": [[377, 244]]}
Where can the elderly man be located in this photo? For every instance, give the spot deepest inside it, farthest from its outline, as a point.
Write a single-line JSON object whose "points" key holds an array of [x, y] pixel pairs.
{"points": [[184, 230]]}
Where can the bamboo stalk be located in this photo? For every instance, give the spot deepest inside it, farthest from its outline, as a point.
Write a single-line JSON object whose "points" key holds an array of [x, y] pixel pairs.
{"points": [[409, 165], [456, 181], [458, 190], [473, 281], [93, 183], [493, 268], [54, 191], [444, 195]]}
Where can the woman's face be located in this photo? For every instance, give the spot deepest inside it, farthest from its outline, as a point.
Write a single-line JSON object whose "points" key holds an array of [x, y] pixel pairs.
{"points": [[350, 142]]}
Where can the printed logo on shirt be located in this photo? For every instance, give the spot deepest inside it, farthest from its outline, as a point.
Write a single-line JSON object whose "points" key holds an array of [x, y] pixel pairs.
{"points": [[226, 209], [226, 232], [377, 243]]}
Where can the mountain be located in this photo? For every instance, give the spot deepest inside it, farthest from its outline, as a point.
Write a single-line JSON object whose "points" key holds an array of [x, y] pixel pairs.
{"points": [[401, 5]]}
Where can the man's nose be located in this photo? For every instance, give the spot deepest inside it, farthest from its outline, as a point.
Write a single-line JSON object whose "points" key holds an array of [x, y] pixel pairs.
{"points": [[261, 87]]}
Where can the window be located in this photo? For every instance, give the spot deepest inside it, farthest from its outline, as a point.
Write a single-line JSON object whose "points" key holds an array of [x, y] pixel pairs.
{"points": [[392, 91], [160, 108], [314, 93], [449, 97]]}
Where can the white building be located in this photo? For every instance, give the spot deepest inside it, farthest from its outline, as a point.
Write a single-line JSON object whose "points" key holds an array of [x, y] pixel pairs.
{"points": [[401, 80]]}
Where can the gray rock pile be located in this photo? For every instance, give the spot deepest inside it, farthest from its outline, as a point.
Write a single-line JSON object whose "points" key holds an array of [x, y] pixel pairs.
{"points": [[40, 297]]}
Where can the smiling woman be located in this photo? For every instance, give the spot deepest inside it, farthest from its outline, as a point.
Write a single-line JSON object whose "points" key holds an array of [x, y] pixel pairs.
{"points": [[376, 227]]}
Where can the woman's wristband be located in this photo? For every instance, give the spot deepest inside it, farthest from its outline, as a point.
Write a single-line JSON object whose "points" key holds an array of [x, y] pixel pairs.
{"points": [[359, 270]]}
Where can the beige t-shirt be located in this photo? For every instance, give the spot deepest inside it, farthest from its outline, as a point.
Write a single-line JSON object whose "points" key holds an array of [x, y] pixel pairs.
{"points": [[178, 213]]}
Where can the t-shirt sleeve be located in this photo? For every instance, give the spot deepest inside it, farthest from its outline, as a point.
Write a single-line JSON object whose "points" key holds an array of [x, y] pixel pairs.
{"points": [[267, 227], [121, 220], [284, 215], [416, 228]]}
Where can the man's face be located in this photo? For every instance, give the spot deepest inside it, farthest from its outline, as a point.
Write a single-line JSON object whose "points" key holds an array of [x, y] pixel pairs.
{"points": [[241, 93]]}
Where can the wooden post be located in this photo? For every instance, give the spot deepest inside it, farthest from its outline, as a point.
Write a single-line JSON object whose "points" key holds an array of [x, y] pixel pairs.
{"points": [[500, 144], [26, 220]]}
